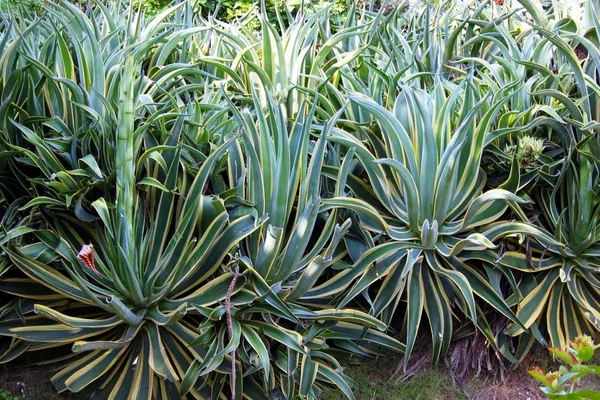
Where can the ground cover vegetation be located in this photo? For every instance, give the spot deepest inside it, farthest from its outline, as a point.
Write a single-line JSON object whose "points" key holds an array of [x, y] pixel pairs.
{"points": [[193, 208]]}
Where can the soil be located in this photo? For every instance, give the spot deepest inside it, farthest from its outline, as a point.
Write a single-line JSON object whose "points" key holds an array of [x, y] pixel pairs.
{"points": [[28, 383], [517, 385]]}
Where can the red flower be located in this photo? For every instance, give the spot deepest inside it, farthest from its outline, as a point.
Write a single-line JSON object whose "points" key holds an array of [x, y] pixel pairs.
{"points": [[499, 2], [87, 256]]}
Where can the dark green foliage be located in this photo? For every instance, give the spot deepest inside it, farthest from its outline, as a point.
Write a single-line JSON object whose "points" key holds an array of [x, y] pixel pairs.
{"points": [[6, 395], [192, 208]]}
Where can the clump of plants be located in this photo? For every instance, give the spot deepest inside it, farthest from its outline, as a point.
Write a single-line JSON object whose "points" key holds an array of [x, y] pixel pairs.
{"points": [[193, 209], [565, 382]]}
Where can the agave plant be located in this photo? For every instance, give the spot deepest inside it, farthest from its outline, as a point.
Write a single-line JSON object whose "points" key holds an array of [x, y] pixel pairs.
{"points": [[158, 289], [285, 257], [426, 195], [561, 288], [561, 253], [58, 109], [190, 209], [130, 288]]}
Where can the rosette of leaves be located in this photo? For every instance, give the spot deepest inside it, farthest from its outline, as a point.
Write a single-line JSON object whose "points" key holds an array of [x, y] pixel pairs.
{"points": [[144, 308], [561, 252], [127, 305], [425, 202], [559, 280], [287, 344], [550, 105]]}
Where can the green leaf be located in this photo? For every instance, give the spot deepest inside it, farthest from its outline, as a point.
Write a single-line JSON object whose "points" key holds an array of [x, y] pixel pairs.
{"points": [[288, 338], [259, 346], [90, 161], [564, 355], [308, 374], [148, 181], [415, 302], [42, 200]]}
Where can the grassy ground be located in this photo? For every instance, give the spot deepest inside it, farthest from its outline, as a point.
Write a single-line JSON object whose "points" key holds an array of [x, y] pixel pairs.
{"points": [[380, 379], [372, 382]]}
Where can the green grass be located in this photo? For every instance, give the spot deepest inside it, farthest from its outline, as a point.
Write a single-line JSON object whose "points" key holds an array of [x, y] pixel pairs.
{"points": [[372, 382], [377, 380]]}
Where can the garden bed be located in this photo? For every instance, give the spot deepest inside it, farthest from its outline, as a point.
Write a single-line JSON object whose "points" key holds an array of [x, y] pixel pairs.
{"points": [[375, 380]]}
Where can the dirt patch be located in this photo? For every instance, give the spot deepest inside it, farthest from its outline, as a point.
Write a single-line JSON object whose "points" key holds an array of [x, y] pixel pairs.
{"points": [[385, 379], [28, 383], [517, 385]]}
